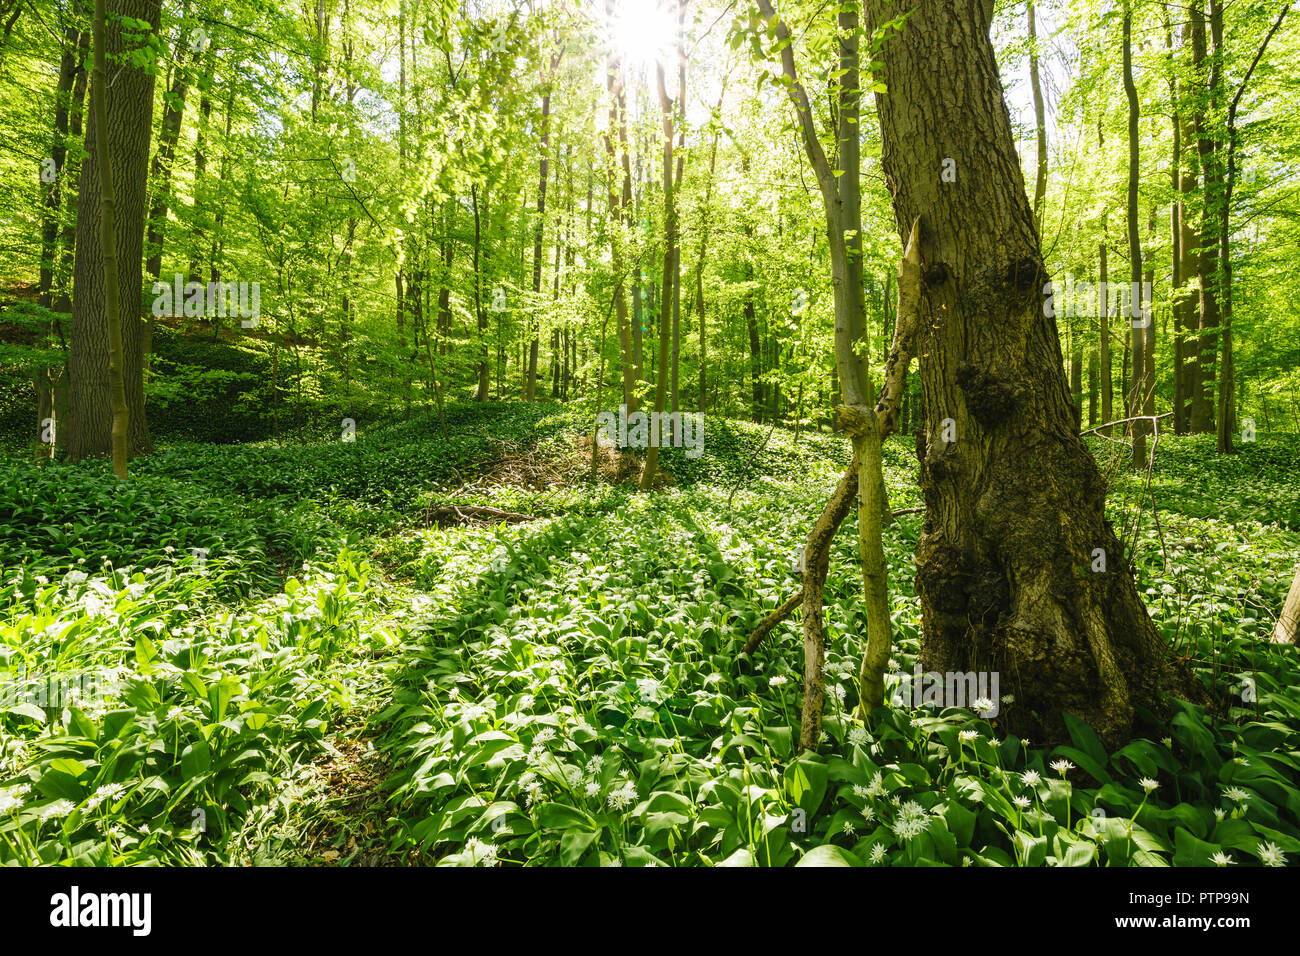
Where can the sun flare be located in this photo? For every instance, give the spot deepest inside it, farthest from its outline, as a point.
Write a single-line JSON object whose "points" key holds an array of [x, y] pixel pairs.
{"points": [[642, 31]]}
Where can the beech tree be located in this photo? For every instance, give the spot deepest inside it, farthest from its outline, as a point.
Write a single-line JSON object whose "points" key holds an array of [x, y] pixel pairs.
{"points": [[123, 120]]}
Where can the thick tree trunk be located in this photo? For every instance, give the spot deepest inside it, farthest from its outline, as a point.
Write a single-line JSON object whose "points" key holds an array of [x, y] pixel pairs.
{"points": [[127, 119], [101, 154], [1015, 505]]}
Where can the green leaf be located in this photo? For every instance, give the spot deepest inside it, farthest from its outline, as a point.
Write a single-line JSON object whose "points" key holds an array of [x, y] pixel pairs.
{"points": [[805, 782], [741, 857], [828, 855], [558, 816], [27, 709]]}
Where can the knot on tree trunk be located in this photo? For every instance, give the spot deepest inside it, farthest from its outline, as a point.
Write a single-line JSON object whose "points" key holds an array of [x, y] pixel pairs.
{"points": [[937, 274], [1025, 275], [990, 399], [855, 420], [941, 574]]}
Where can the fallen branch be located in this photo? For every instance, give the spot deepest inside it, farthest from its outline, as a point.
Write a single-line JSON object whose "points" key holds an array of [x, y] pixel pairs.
{"points": [[771, 621]]}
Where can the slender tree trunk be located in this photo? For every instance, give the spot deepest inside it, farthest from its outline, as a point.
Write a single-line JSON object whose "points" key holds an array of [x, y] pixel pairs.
{"points": [[481, 395], [539, 231], [70, 64], [1103, 310], [62, 301], [1227, 412], [618, 208], [665, 318], [163, 160], [1040, 120], [1185, 301], [199, 208], [1136, 322], [1203, 392], [1093, 375]]}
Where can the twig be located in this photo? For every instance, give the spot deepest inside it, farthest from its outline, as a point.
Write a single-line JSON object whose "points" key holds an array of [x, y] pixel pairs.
{"points": [[1155, 512], [1121, 421], [750, 462]]}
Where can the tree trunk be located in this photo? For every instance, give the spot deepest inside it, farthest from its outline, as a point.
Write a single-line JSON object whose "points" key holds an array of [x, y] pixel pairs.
{"points": [[481, 394], [1288, 623], [101, 136], [62, 301], [126, 119], [618, 207], [71, 64], [1040, 121], [1136, 322], [539, 232], [1227, 412], [665, 309], [1107, 374], [1202, 418], [1014, 506], [161, 170], [198, 209]]}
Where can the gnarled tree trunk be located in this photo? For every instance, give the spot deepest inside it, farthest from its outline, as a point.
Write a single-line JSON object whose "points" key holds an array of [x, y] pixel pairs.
{"points": [[1015, 504]]}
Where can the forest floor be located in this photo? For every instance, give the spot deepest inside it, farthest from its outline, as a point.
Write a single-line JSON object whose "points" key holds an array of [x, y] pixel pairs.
{"points": [[412, 649]]}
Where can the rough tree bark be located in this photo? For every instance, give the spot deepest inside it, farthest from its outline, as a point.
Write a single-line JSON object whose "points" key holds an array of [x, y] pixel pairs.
{"points": [[125, 122], [1014, 506]]}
